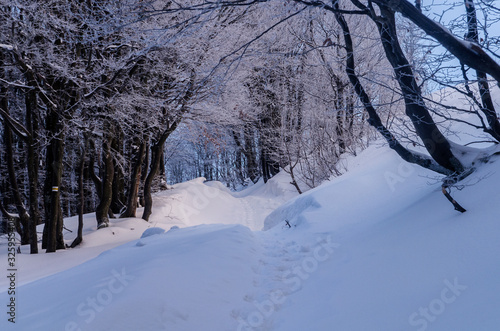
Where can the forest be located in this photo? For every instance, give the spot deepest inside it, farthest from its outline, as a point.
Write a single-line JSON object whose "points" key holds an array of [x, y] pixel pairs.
{"points": [[105, 102]]}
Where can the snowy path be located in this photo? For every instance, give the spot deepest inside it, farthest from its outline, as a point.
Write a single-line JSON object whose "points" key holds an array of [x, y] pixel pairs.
{"points": [[188, 204], [252, 263]]}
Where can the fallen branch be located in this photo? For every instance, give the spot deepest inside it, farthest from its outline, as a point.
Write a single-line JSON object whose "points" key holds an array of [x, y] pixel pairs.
{"points": [[453, 202], [450, 181]]}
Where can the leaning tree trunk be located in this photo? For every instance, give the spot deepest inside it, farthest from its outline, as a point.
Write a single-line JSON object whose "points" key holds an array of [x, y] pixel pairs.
{"points": [[373, 118], [434, 141], [156, 153], [469, 54]]}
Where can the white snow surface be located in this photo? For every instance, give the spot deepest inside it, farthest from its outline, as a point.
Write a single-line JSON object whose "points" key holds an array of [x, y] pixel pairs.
{"points": [[378, 248]]}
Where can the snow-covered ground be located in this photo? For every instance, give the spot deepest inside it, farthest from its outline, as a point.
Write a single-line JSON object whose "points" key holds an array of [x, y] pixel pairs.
{"points": [[378, 248]]}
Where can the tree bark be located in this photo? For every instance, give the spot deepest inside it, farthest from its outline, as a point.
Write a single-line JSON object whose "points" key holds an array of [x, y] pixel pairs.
{"points": [[488, 107], [251, 166], [472, 54], [156, 156], [434, 141], [52, 232], [135, 179], [24, 218], [81, 193], [117, 204], [373, 118], [103, 208], [237, 163], [33, 165]]}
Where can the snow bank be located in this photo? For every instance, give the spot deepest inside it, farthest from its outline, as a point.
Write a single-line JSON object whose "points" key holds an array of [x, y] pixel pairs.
{"points": [[293, 212], [175, 281], [405, 259]]}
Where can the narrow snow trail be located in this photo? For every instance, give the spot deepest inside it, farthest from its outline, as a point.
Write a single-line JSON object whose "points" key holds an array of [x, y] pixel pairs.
{"points": [[217, 273], [187, 204]]}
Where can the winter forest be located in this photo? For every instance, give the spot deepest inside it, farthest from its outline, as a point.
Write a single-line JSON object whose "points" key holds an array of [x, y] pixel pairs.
{"points": [[104, 102], [354, 138]]}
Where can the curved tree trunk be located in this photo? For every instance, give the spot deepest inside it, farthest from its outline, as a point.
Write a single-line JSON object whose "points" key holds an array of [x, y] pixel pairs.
{"points": [[434, 141], [373, 118], [156, 153], [472, 55]]}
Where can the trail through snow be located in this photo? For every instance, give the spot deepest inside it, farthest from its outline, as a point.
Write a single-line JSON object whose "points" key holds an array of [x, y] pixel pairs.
{"points": [[187, 204]]}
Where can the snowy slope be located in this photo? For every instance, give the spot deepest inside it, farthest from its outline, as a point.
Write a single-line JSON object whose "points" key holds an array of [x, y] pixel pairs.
{"points": [[378, 248], [400, 246]]}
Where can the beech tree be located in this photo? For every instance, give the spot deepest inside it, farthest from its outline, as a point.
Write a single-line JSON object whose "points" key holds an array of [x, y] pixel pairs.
{"points": [[65, 69]]}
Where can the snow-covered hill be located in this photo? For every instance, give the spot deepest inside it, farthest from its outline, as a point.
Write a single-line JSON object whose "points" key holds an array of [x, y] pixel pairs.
{"points": [[378, 248]]}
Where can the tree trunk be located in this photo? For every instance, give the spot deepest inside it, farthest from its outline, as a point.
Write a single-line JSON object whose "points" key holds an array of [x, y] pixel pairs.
{"points": [[471, 55], [237, 163], [434, 141], [156, 156], [24, 218], [135, 179], [81, 192], [144, 174], [373, 118], [117, 204], [103, 208], [52, 232], [251, 166], [95, 179], [488, 107], [32, 164]]}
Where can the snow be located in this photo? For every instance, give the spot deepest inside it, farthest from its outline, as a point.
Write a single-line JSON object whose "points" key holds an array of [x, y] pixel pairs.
{"points": [[7, 47], [378, 248]]}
